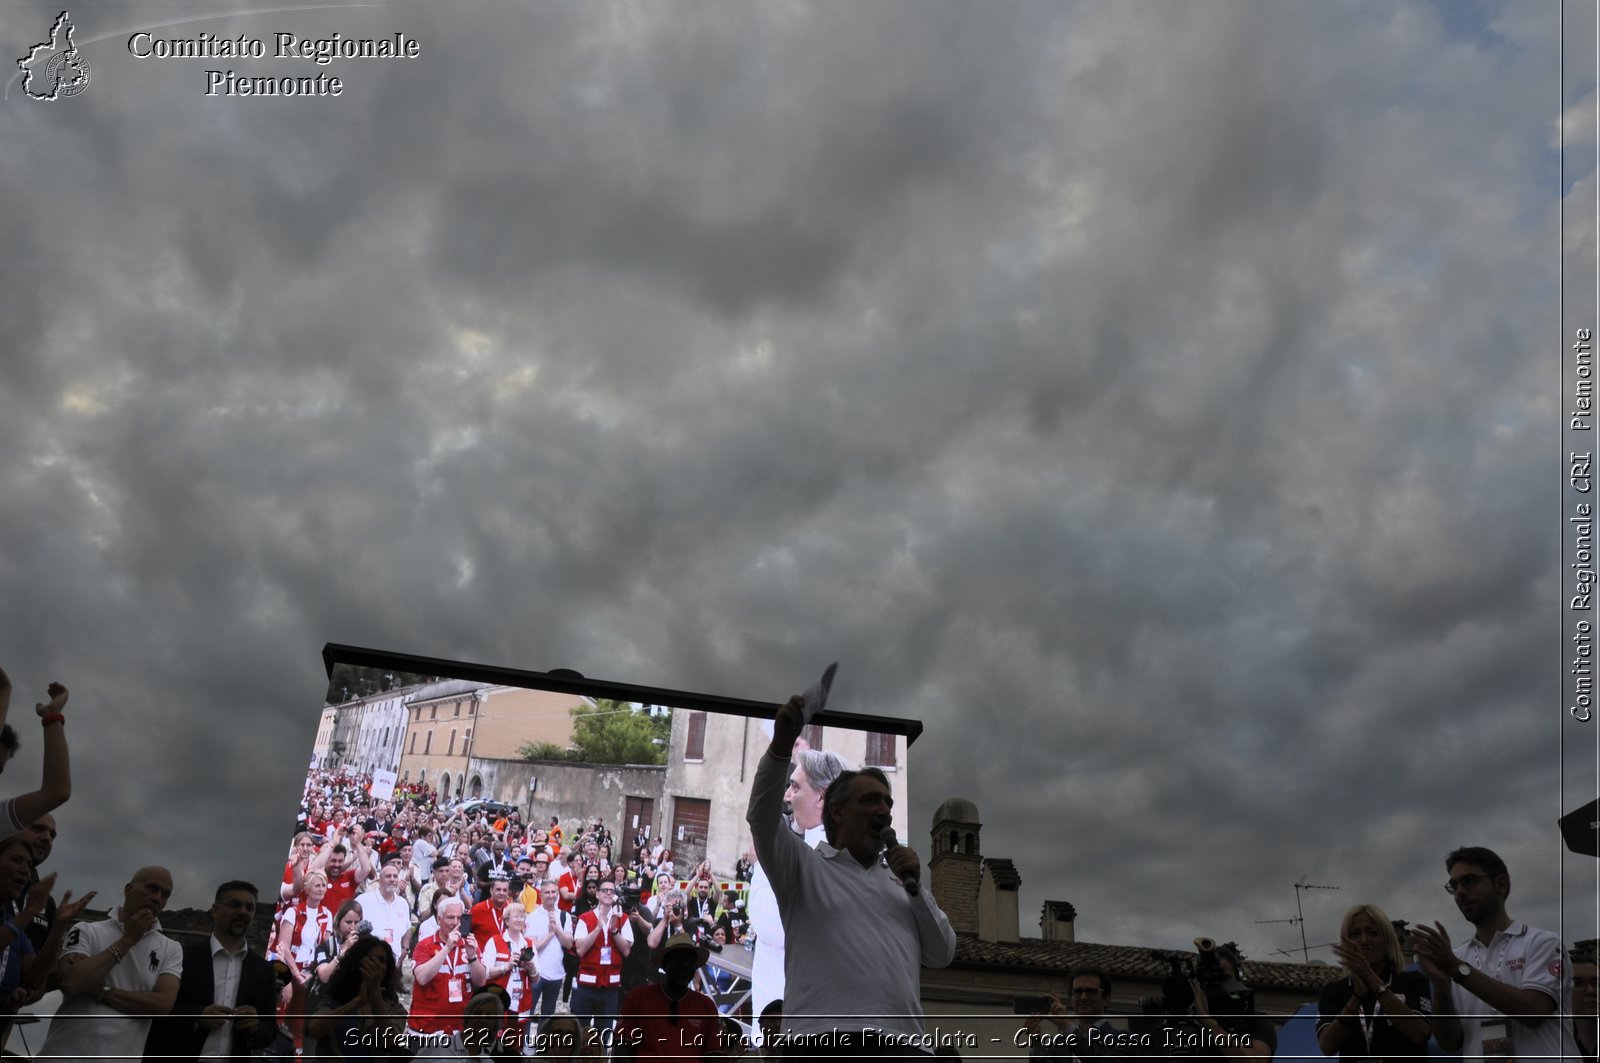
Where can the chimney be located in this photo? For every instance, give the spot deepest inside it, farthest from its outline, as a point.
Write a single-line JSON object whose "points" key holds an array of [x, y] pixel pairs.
{"points": [[956, 864], [997, 901], [1056, 922]]}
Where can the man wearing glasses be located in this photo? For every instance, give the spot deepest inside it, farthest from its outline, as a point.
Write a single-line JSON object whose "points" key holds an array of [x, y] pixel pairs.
{"points": [[1084, 1034], [1495, 995], [601, 939]]}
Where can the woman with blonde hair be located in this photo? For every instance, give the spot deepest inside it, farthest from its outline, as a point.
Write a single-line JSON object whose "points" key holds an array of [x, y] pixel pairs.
{"points": [[301, 929], [1378, 1010]]}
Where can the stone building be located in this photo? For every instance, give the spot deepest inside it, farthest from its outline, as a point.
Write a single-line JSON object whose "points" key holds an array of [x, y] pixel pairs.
{"points": [[447, 731], [710, 766]]}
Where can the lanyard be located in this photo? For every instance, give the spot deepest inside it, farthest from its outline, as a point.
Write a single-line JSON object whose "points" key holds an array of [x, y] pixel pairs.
{"points": [[1366, 1021]]}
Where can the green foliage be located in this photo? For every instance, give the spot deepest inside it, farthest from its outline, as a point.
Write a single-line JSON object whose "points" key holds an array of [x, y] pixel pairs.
{"points": [[543, 751], [615, 732]]}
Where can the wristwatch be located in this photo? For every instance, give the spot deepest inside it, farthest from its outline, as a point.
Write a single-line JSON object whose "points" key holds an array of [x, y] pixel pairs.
{"points": [[1462, 970]]}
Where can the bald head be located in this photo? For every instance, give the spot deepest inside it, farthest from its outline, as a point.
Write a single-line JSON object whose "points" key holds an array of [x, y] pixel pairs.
{"points": [[150, 888]]}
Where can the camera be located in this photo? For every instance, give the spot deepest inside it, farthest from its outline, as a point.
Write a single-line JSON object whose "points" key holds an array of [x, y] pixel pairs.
{"points": [[1030, 1005], [628, 899], [1229, 1000], [364, 927], [526, 955]]}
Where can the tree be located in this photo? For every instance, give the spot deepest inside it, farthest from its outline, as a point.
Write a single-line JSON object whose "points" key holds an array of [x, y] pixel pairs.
{"points": [[615, 732], [543, 751]]}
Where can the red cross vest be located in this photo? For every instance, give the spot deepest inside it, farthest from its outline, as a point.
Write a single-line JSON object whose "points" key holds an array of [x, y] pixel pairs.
{"points": [[593, 968]]}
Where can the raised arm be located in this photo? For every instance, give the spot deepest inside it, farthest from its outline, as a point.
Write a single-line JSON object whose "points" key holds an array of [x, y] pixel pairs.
{"points": [[363, 855], [765, 811], [56, 788]]}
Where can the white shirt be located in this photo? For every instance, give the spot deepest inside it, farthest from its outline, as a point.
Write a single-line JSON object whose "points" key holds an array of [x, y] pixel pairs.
{"points": [[226, 970], [82, 1028], [390, 919], [857, 966], [422, 855], [1524, 958], [766, 968], [548, 959]]}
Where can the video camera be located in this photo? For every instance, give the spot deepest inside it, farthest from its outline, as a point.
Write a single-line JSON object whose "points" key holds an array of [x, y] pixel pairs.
{"points": [[628, 898], [1226, 997]]}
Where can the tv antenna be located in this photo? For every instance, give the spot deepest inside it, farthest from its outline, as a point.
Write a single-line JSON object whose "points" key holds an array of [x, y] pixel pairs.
{"points": [[1300, 917]]}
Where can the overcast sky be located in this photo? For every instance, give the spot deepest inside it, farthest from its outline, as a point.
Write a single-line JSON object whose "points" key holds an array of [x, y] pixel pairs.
{"points": [[1160, 401]]}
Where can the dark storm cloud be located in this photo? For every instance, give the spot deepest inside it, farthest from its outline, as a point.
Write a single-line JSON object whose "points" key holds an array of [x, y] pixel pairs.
{"points": [[1142, 397]]}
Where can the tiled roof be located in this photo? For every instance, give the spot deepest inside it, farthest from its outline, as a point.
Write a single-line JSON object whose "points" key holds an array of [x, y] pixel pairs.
{"points": [[1120, 961]]}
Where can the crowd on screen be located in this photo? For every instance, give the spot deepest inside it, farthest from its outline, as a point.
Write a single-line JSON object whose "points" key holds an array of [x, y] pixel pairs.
{"points": [[478, 896]]}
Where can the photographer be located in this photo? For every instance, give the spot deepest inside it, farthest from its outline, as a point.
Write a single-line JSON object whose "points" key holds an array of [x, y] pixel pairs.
{"points": [[509, 961], [703, 909], [674, 918], [1242, 1035], [637, 968], [1083, 1034], [349, 923]]}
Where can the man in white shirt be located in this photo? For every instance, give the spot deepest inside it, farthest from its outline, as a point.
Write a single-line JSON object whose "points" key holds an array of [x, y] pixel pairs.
{"points": [[386, 909], [226, 993], [550, 930], [115, 975], [1497, 993]]}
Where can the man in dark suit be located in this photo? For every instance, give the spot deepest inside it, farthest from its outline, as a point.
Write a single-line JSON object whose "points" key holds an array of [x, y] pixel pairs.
{"points": [[227, 996]]}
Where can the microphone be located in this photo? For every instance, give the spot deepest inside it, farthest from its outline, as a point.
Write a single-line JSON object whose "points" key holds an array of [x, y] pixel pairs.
{"points": [[886, 836]]}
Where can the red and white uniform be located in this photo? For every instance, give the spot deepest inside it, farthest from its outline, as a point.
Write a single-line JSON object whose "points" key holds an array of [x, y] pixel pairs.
{"points": [[437, 1006], [489, 931], [310, 926], [601, 966], [499, 951]]}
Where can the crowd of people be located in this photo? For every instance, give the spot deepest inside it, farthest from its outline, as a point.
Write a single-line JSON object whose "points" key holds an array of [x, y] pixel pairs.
{"points": [[405, 928], [551, 919]]}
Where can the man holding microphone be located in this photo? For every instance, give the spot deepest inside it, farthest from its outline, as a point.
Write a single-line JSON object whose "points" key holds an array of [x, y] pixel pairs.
{"points": [[852, 985]]}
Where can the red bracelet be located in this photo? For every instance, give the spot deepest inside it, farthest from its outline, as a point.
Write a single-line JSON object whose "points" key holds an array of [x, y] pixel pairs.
{"points": [[54, 717]]}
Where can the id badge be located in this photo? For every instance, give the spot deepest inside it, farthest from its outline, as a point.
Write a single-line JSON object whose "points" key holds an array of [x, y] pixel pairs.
{"points": [[1496, 1035], [456, 995], [605, 956]]}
